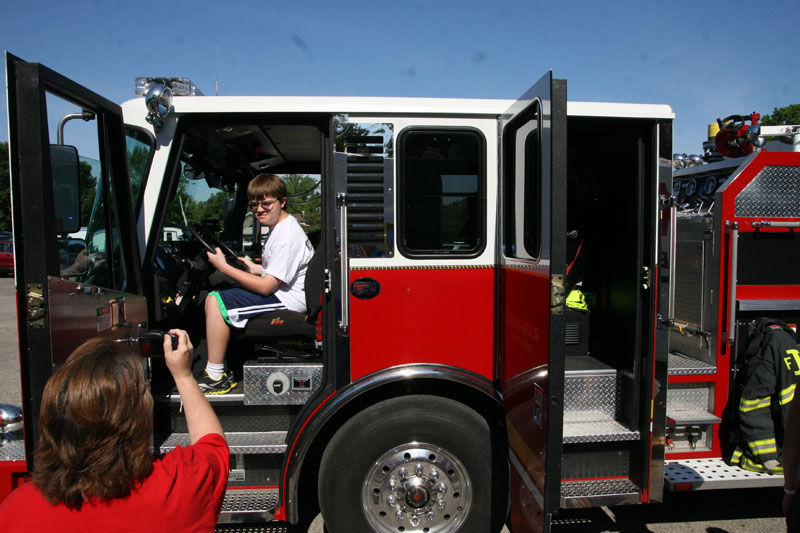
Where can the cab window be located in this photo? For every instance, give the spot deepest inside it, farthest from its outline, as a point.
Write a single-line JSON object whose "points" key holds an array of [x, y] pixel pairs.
{"points": [[442, 196]]}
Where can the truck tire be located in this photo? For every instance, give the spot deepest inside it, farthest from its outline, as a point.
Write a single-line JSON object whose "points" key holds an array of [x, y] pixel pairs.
{"points": [[415, 463]]}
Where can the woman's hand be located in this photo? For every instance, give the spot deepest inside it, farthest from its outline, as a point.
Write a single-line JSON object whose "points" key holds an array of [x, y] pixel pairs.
{"points": [[179, 360]]}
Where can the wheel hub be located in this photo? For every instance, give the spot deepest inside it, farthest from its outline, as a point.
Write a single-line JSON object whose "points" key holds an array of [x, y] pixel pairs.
{"points": [[417, 487]]}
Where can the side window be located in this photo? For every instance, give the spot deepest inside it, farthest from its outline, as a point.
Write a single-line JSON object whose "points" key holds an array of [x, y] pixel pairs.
{"points": [[522, 188], [139, 145], [90, 250], [442, 192]]}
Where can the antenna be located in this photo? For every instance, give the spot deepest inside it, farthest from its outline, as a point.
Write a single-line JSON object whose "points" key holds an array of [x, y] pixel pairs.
{"points": [[217, 71]]}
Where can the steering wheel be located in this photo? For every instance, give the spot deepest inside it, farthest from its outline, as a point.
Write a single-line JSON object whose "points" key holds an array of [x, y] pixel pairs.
{"points": [[211, 241]]}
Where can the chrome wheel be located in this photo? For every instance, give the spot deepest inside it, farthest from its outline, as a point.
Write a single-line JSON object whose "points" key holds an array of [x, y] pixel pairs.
{"points": [[417, 487]]}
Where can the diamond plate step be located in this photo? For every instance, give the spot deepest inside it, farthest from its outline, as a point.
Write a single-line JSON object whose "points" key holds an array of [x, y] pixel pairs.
{"points": [[687, 417], [595, 492], [248, 505], [244, 442], [680, 365], [594, 426], [705, 474]]}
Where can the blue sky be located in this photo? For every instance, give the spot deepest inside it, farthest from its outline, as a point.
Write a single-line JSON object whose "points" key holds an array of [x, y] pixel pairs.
{"points": [[706, 59]]}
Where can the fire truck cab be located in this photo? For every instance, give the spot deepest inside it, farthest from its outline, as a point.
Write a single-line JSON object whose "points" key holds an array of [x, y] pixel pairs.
{"points": [[438, 381]]}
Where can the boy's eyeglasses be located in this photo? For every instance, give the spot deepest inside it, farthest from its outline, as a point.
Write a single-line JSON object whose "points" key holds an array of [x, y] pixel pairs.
{"points": [[263, 205]]}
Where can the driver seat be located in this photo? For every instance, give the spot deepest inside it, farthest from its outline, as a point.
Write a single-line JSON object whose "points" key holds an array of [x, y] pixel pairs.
{"points": [[283, 327]]}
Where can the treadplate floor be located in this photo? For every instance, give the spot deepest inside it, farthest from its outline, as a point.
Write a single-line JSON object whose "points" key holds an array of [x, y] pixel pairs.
{"points": [[705, 474], [255, 528]]}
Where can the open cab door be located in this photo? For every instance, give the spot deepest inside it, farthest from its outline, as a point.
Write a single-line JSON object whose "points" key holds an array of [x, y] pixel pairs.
{"points": [[77, 259], [531, 327], [583, 282]]}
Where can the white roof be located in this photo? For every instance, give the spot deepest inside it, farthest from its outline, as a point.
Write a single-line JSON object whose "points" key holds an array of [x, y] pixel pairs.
{"points": [[389, 106]]}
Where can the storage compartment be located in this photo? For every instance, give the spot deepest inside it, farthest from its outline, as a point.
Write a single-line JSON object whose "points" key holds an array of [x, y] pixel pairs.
{"points": [[610, 247]]}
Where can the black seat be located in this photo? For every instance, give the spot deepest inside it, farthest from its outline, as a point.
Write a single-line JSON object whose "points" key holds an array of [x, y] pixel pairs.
{"points": [[294, 325]]}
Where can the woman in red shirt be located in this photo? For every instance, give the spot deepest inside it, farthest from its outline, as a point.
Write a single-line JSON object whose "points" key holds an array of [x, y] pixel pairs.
{"points": [[93, 469]]}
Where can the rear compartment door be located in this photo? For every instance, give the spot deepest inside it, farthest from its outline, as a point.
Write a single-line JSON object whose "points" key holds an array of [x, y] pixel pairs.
{"points": [[77, 268], [531, 300]]}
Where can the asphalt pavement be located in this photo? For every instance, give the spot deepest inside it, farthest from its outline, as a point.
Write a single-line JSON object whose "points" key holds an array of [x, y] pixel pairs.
{"points": [[724, 511]]}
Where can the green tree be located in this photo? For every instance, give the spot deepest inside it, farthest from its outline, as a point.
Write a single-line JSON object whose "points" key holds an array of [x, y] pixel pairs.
{"points": [[782, 116], [303, 197], [87, 184], [137, 161]]}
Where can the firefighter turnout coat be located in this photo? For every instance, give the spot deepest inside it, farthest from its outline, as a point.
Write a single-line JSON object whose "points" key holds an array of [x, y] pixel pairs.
{"points": [[774, 364]]}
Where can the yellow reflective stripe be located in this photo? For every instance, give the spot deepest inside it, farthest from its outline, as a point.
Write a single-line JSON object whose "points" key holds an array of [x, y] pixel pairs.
{"points": [[748, 464], [746, 406], [764, 448], [787, 394]]}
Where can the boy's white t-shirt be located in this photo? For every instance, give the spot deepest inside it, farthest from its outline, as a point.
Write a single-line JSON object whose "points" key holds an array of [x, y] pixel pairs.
{"points": [[285, 255]]}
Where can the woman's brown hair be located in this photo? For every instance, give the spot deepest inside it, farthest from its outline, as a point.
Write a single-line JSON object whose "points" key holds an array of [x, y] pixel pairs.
{"points": [[95, 427]]}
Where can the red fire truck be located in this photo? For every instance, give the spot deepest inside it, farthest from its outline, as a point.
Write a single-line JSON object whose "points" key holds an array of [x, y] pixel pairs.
{"points": [[438, 381]]}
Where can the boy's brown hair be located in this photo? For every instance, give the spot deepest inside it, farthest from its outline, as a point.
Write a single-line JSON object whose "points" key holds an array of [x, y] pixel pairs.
{"points": [[95, 427], [266, 186]]}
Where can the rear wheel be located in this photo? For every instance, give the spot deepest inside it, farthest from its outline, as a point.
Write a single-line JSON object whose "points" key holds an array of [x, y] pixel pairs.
{"points": [[416, 463]]}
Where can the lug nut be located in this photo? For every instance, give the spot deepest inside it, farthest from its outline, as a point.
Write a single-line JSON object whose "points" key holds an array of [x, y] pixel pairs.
{"points": [[418, 469]]}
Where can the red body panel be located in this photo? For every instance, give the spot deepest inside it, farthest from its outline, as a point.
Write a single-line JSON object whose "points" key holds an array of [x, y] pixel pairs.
{"points": [[424, 315], [525, 354], [12, 474]]}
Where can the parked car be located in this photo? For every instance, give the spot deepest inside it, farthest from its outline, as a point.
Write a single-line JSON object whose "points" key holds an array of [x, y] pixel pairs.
{"points": [[6, 255]]}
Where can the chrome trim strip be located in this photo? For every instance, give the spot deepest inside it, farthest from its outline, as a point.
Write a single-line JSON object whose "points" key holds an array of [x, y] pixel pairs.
{"points": [[732, 291], [537, 495]]}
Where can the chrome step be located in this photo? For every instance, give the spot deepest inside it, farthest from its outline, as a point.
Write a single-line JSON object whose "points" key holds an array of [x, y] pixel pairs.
{"points": [[597, 492], [592, 392], [249, 505], [691, 417], [687, 404], [594, 426], [705, 474], [264, 442], [680, 365], [251, 528]]}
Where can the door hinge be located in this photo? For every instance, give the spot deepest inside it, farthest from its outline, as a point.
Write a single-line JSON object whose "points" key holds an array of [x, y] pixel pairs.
{"points": [[645, 277], [326, 283], [557, 296], [37, 317]]}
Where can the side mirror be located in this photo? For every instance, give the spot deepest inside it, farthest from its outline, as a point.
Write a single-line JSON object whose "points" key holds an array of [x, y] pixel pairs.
{"points": [[66, 188]]}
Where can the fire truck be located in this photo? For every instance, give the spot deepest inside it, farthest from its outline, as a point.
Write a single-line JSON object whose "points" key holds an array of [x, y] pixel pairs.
{"points": [[736, 220], [438, 380]]}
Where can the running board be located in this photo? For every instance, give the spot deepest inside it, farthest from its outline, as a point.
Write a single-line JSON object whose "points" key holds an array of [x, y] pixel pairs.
{"points": [[248, 505], [705, 474], [598, 492], [263, 442]]}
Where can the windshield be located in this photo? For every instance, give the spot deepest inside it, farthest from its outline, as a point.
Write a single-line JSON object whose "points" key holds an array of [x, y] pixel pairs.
{"points": [[197, 201]]}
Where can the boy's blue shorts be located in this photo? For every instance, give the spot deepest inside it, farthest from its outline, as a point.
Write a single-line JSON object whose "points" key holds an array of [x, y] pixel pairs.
{"points": [[238, 305]]}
